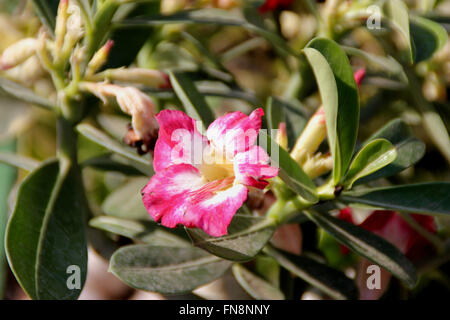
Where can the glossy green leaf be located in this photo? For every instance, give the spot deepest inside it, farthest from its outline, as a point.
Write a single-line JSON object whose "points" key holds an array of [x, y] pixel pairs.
{"points": [[45, 234], [247, 235], [339, 93], [428, 37], [332, 282], [409, 149], [46, 11], [193, 102], [368, 245], [24, 94], [427, 198], [7, 181], [126, 201], [165, 269], [144, 231], [396, 12], [142, 163], [375, 155], [18, 161], [289, 170], [255, 286]]}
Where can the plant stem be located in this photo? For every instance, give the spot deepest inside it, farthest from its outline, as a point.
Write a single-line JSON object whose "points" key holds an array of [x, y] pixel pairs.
{"points": [[66, 140]]}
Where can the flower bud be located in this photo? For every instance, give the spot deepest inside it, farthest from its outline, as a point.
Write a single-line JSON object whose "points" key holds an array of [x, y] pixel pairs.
{"points": [[99, 58], [75, 30], [147, 77], [318, 165], [61, 25], [281, 137], [18, 53], [311, 137], [144, 127], [359, 76]]}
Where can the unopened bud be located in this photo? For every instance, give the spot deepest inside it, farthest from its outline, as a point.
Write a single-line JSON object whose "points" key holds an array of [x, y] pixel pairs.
{"points": [[61, 26], [146, 77], [281, 137], [99, 58], [359, 76], [18, 53], [75, 30], [139, 106], [311, 137], [318, 165]]}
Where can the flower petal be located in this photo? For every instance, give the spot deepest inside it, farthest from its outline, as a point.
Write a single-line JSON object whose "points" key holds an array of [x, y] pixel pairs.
{"points": [[213, 211], [235, 132], [179, 141], [165, 196], [251, 167]]}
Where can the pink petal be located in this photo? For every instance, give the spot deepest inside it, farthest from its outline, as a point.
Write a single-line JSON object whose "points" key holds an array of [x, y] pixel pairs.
{"points": [[178, 139], [165, 196], [235, 132], [251, 167], [213, 211]]}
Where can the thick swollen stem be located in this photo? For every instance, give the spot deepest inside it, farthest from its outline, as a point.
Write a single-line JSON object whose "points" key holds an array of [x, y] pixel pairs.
{"points": [[66, 140]]}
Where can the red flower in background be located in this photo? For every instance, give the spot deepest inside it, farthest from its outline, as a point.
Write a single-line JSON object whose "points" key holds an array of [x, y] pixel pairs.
{"points": [[271, 5], [390, 226]]}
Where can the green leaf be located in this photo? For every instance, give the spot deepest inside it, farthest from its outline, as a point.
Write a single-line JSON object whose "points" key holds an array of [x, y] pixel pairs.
{"points": [[142, 163], [396, 12], [332, 282], [368, 245], [428, 37], [290, 172], [193, 102], [45, 234], [274, 113], [255, 286], [409, 149], [379, 63], [375, 155], [165, 269], [46, 11], [128, 43], [126, 201], [24, 94], [145, 231], [427, 198], [247, 235], [8, 175], [111, 162], [18, 161], [339, 93]]}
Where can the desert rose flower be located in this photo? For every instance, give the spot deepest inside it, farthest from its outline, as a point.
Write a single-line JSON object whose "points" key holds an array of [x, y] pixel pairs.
{"points": [[205, 193]]}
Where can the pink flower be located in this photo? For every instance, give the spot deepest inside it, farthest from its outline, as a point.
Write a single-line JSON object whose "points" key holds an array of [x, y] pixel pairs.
{"points": [[201, 181]]}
